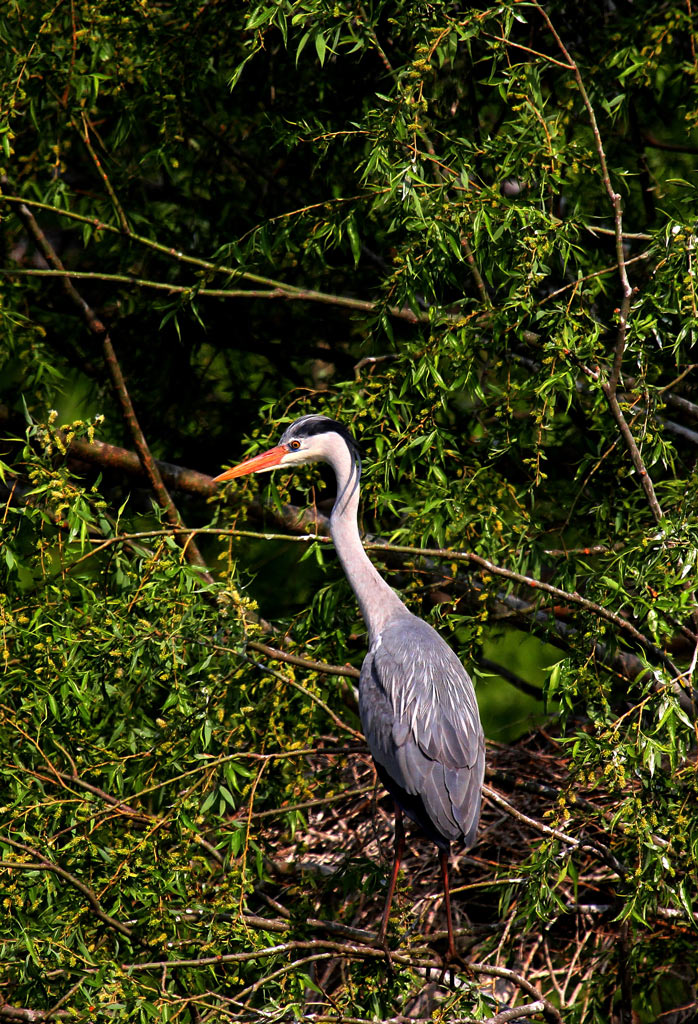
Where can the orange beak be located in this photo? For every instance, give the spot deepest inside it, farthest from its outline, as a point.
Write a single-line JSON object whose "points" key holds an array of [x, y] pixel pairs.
{"points": [[266, 460]]}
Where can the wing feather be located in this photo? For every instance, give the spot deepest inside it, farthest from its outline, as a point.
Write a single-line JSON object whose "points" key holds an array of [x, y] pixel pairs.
{"points": [[420, 719]]}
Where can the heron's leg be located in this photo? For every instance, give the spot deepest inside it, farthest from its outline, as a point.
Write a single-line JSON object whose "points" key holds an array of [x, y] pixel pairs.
{"points": [[443, 859], [399, 851]]}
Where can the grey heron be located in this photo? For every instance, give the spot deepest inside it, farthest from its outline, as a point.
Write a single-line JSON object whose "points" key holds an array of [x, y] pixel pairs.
{"points": [[416, 701]]}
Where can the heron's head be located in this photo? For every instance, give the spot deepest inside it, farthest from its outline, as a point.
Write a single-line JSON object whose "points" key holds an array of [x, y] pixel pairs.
{"points": [[311, 438]]}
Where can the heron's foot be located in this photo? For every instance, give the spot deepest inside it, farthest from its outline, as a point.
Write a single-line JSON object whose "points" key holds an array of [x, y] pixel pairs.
{"points": [[449, 963], [447, 966]]}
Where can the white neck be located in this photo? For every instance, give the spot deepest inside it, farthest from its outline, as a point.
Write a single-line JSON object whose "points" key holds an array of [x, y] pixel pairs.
{"points": [[378, 602]]}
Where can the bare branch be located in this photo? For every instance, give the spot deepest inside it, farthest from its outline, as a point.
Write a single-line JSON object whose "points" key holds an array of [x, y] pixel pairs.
{"points": [[85, 136], [516, 1012], [312, 666], [549, 1011], [597, 849], [22, 1014]]}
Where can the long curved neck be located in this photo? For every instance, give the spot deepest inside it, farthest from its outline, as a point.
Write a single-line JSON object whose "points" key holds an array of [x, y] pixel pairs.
{"points": [[378, 602]]}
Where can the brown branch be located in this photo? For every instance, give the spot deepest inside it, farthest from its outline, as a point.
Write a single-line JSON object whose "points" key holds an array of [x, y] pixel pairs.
{"points": [[56, 1008], [114, 457], [20, 1013], [682, 403], [623, 314], [596, 848], [126, 461], [640, 236], [286, 292], [113, 801], [321, 801], [564, 595], [475, 271], [588, 277], [527, 49], [347, 949], [638, 463], [613, 196], [456, 556], [312, 696], [281, 924], [280, 972], [313, 666], [96, 327], [294, 518]]}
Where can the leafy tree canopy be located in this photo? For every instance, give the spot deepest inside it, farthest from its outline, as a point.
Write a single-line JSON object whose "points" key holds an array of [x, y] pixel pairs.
{"points": [[470, 234]]}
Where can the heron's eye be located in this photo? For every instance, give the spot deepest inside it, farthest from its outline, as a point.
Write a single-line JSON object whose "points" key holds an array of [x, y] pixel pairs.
{"points": [[293, 446]]}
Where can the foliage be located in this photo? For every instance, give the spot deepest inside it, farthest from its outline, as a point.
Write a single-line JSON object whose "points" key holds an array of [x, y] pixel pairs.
{"points": [[470, 234]]}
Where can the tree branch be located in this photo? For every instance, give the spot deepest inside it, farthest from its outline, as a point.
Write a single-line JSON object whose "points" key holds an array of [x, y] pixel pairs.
{"points": [[638, 463], [598, 849], [47, 865], [288, 293], [610, 386], [20, 1013], [516, 1012], [96, 327], [85, 136], [312, 666], [613, 196], [294, 518], [275, 289], [550, 1012]]}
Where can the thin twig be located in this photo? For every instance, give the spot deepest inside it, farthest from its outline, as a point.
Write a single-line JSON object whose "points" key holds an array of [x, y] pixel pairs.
{"points": [[527, 49], [475, 271], [312, 666], [85, 136], [275, 289], [25, 1016], [322, 801], [281, 291], [48, 865], [307, 693], [353, 950], [548, 1010], [573, 597], [598, 849], [54, 1011], [613, 196], [609, 387], [634, 451], [589, 277]]}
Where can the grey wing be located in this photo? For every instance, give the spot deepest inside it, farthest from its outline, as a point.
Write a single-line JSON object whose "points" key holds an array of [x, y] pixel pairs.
{"points": [[420, 718]]}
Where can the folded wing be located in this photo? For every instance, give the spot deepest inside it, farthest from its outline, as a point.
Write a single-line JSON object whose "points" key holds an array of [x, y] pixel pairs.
{"points": [[420, 719]]}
